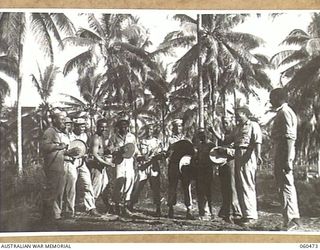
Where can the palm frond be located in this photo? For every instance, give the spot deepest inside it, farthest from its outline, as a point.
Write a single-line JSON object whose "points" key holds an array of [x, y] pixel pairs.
{"points": [[9, 66], [183, 18], [95, 25], [246, 40], [105, 22], [305, 75], [63, 23], [79, 61], [4, 89], [277, 59], [183, 65], [296, 37], [49, 77], [74, 100], [85, 33], [36, 84], [79, 41], [50, 25], [39, 28]]}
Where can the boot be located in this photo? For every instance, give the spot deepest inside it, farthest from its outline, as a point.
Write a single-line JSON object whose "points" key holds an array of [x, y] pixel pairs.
{"points": [[126, 212], [189, 215]]}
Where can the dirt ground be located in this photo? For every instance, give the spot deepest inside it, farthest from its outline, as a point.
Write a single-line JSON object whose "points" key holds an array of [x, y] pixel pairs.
{"points": [[28, 220]]}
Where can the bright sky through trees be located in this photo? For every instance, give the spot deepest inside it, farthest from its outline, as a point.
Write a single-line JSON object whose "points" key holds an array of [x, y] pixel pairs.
{"points": [[159, 23]]}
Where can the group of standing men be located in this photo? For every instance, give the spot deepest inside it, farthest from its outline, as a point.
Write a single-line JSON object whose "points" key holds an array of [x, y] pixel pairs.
{"points": [[241, 145]]}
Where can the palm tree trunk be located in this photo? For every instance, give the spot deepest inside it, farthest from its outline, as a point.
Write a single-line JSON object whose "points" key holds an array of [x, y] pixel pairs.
{"points": [[163, 126], [19, 112], [213, 99], [201, 104]]}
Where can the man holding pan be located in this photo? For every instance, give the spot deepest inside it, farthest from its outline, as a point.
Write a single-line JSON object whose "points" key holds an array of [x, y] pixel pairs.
{"points": [[179, 152], [55, 150], [77, 170], [123, 146]]}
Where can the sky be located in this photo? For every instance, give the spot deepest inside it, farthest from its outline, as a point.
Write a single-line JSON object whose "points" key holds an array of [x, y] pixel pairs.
{"points": [[159, 23]]}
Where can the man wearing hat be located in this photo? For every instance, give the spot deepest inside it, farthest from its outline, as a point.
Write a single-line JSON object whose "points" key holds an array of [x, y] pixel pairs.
{"points": [[118, 144], [230, 210], [55, 151], [204, 173], [149, 168], [247, 143], [70, 170], [175, 173], [284, 134], [79, 169]]}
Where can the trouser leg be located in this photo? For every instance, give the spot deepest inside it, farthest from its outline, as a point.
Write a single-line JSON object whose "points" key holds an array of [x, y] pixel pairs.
{"points": [[186, 186], [285, 182], [155, 187], [208, 188], [54, 194], [96, 177], [201, 192], [70, 187], [137, 189], [235, 206], [173, 177], [247, 196], [224, 176], [86, 182]]}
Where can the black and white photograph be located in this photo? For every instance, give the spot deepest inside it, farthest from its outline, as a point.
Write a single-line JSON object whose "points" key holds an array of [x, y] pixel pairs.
{"points": [[159, 121]]}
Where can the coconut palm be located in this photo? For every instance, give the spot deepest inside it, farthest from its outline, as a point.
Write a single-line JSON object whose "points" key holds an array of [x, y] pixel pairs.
{"points": [[227, 60], [112, 42], [93, 91], [44, 83], [8, 69], [114, 46], [45, 27]]}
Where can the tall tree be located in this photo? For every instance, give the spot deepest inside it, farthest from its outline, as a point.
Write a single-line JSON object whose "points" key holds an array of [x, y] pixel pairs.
{"points": [[45, 27], [227, 58], [115, 46]]}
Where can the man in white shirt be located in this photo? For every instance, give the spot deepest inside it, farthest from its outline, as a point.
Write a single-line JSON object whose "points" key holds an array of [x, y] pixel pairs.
{"points": [[125, 174]]}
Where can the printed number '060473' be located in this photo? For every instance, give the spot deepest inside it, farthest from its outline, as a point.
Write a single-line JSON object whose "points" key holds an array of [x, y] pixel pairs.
{"points": [[308, 245]]}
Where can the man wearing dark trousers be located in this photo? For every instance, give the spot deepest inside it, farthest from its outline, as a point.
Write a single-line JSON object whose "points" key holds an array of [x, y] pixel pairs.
{"points": [[149, 169], [175, 152], [230, 209], [204, 173]]}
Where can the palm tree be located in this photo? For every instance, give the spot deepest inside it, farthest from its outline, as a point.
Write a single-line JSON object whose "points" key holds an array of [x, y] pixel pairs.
{"points": [[93, 89], [8, 67], [45, 26], [227, 61], [44, 83], [115, 46]]}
